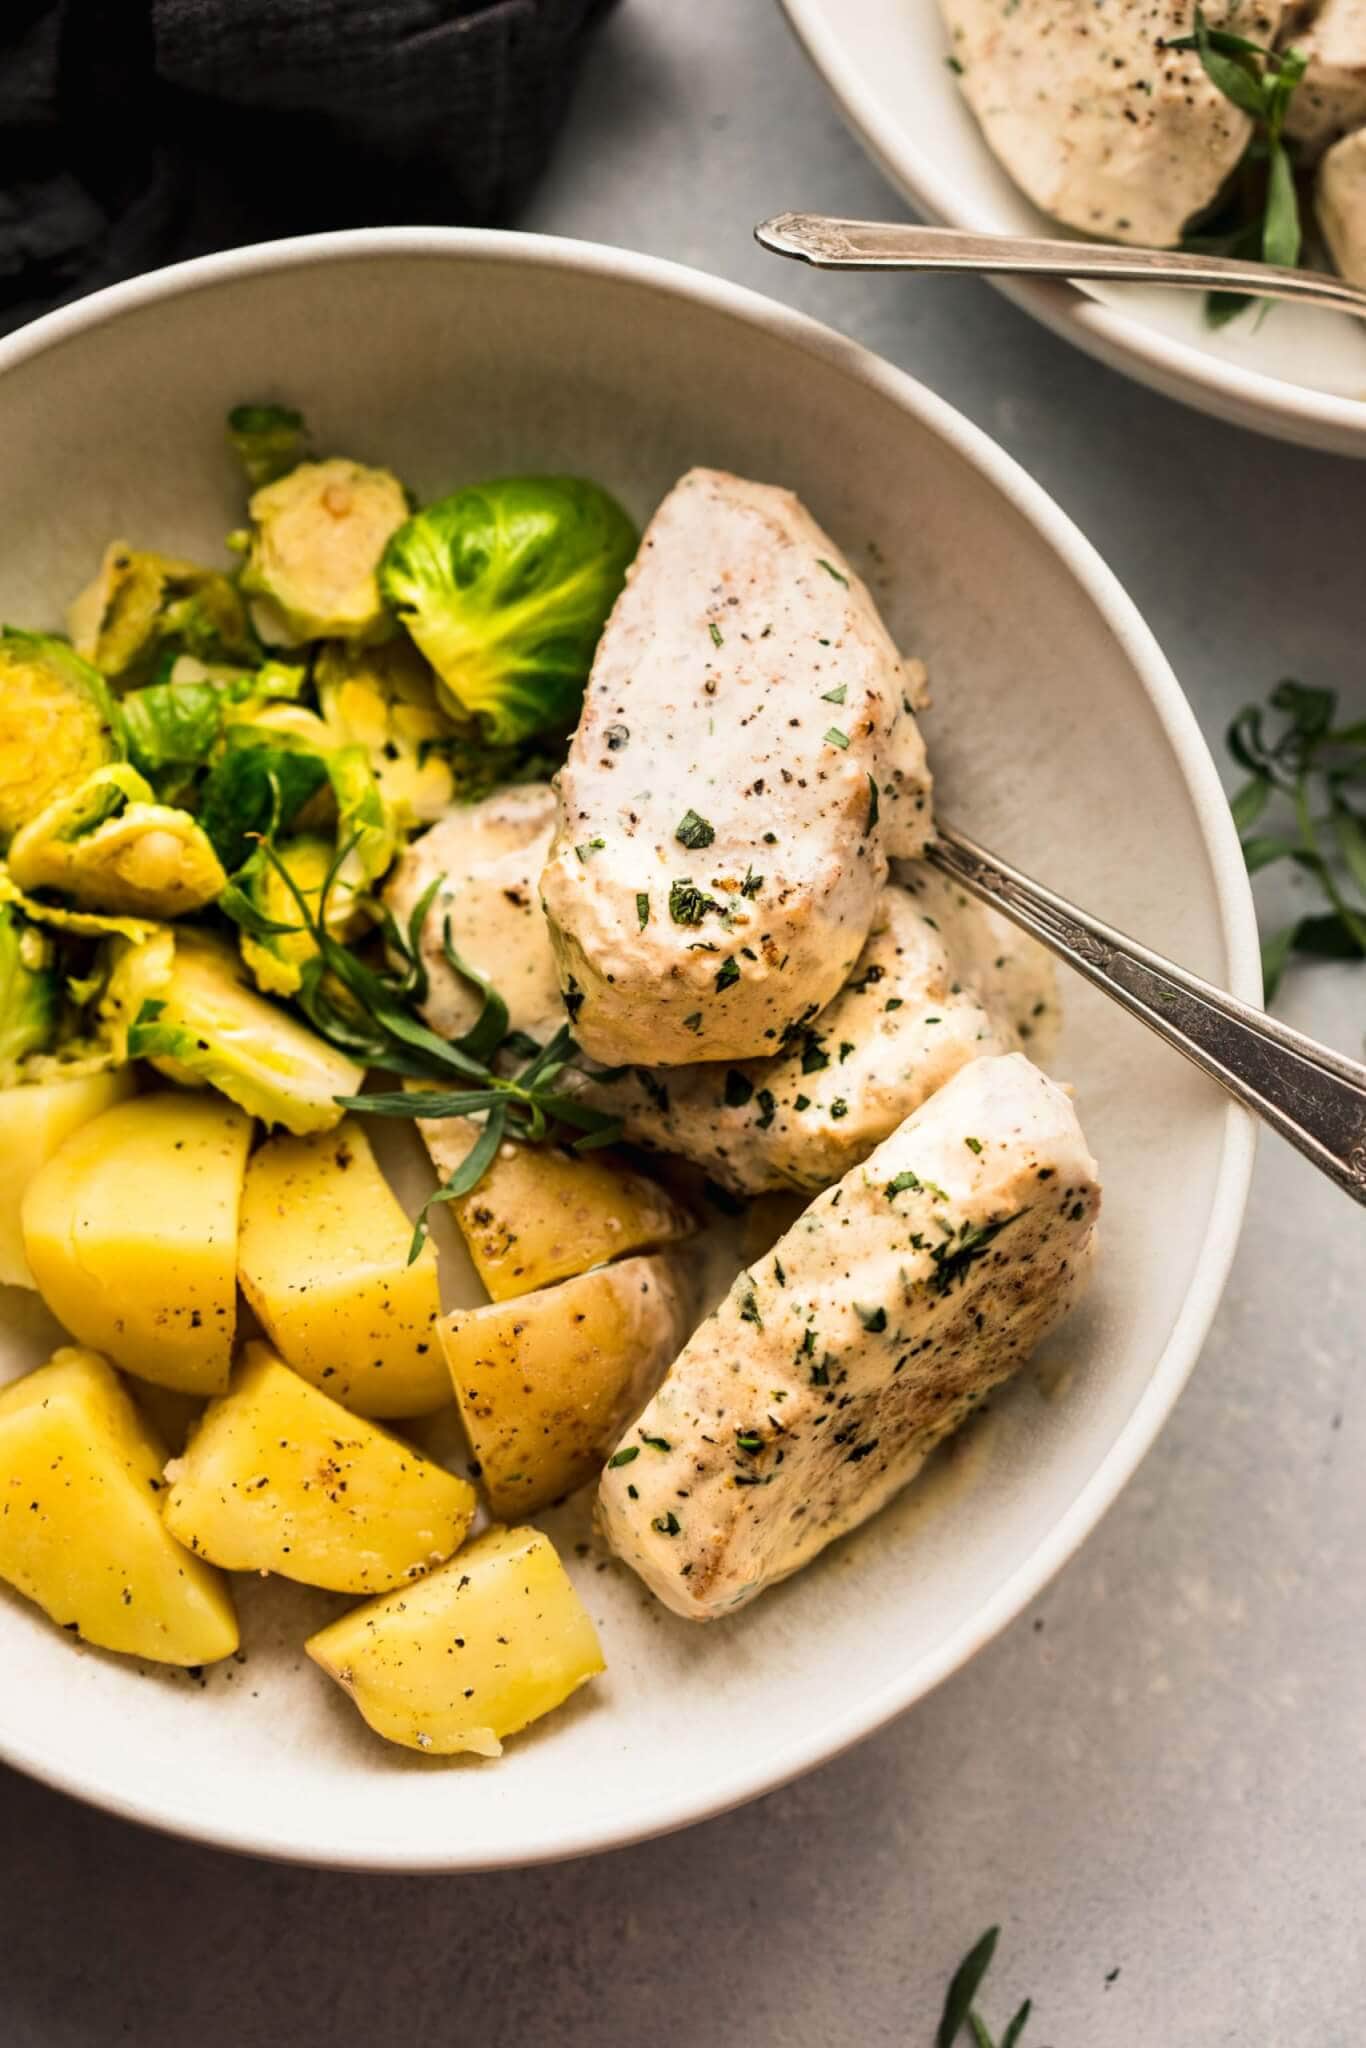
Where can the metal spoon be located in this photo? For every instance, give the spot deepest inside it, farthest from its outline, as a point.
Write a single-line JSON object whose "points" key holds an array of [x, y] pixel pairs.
{"points": [[833, 244], [1313, 1097]]}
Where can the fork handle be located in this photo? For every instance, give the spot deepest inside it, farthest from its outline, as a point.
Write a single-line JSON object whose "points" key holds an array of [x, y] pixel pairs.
{"points": [[1314, 1097]]}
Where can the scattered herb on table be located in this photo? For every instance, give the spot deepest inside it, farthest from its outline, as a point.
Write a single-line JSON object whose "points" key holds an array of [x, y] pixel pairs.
{"points": [[1262, 219], [1307, 799], [960, 2010]]}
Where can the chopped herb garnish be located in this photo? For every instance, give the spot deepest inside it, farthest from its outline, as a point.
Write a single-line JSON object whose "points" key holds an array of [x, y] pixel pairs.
{"points": [[874, 1319], [752, 883], [953, 1258], [589, 846], [727, 974], [894, 1003], [688, 904], [904, 1180], [693, 831], [814, 1054], [836, 696], [617, 736], [871, 818], [623, 1457], [715, 631], [820, 1374], [749, 1441], [656, 1443], [802, 1102], [973, 1144], [694, 1022], [839, 1108], [837, 738], [667, 1524], [749, 1307], [767, 1106], [642, 908], [831, 570], [738, 1089]]}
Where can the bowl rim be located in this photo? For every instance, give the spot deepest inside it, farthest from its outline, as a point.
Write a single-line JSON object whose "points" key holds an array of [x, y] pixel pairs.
{"points": [[1236, 394], [1233, 896]]}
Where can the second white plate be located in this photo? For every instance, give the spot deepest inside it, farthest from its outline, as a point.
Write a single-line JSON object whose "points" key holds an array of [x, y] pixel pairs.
{"points": [[1297, 374]]}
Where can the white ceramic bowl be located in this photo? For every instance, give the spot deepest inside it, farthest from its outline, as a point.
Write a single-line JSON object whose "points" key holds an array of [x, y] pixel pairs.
{"points": [[1297, 374], [1059, 735]]}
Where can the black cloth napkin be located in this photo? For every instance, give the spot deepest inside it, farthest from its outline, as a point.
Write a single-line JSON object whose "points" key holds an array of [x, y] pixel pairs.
{"points": [[133, 132]]}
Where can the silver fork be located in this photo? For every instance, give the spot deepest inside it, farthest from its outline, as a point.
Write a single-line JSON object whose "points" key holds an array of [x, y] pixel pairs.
{"points": [[833, 244], [1314, 1097]]}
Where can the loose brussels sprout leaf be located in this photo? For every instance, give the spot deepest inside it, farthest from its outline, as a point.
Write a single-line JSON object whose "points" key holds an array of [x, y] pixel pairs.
{"points": [[506, 587], [364, 823], [254, 789], [28, 992], [316, 539], [267, 440], [140, 606], [384, 699], [206, 1024], [259, 899], [84, 924], [57, 722], [172, 725], [111, 848], [136, 972]]}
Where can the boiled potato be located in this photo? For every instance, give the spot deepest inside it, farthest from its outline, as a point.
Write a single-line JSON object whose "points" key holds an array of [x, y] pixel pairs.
{"points": [[131, 1231], [477, 1650], [545, 1383], [323, 1260], [541, 1214], [34, 1120], [80, 1524], [279, 1478]]}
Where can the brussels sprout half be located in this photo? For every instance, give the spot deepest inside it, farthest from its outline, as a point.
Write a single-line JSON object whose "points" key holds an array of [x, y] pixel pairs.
{"points": [[110, 847], [142, 607], [506, 587], [57, 722], [316, 538], [201, 1022]]}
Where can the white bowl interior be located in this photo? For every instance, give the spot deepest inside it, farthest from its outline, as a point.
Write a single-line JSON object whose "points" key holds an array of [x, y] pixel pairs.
{"points": [[1292, 371], [1057, 736]]}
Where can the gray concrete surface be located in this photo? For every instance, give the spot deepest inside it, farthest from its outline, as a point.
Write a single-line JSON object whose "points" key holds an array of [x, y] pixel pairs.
{"points": [[1155, 1780]]}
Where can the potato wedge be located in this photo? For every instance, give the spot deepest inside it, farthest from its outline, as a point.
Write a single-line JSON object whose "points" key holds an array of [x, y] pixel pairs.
{"points": [[546, 1383], [81, 1531], [280, 1478], [470, 1654], [541, 1214], [323, 1260], [131, 1232], [34, 1120]]}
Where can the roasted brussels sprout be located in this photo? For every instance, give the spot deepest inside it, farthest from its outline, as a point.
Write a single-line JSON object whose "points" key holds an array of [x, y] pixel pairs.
{"points": [[28, 992], [142, 607], [264, 900], [505, 587], [267, 440], [111, 847], [384, 699], [57, 722], [200, 1021], [316, 538]]}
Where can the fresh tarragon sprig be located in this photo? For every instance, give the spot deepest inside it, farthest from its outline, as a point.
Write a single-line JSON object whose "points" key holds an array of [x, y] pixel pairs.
{"points": [[1316, 770], [960, 2010], [373, 1014], [1261, 82]]}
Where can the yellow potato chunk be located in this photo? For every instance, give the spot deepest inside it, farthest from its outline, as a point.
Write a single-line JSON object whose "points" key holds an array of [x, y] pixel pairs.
{"points": [[279, 1478], [469, 1655], [323, 1260], [35, 1119], [546, 1383], [81, 1531], [541, 1214], [131, 1231]]}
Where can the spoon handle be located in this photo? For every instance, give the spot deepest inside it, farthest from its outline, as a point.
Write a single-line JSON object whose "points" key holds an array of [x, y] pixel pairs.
{"points": [[833, 244], [1314, 1097]]}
